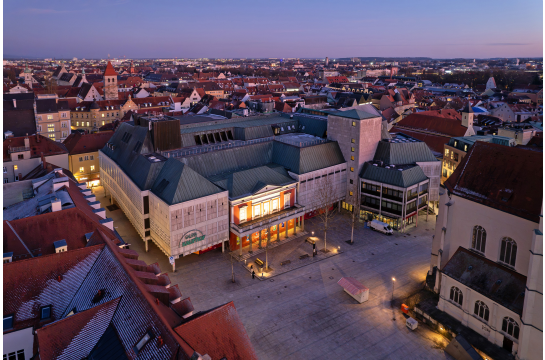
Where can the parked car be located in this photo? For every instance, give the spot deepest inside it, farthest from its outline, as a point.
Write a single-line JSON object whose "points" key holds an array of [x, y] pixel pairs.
{"points": [[381, 226]]}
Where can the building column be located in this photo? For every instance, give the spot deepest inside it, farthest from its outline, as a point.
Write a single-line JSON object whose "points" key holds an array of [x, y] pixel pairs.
{"points": [[241, 239], [260, 246], [295, 226], [174, 266], [286, 222], [268, 236], [251, 241], [302, 222], [278, 232], [223, 246], [146, 242]]}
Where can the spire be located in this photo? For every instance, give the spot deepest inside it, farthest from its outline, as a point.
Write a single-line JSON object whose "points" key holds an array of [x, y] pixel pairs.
{"points": [[82, 71], [27, 70], [110, 71]]}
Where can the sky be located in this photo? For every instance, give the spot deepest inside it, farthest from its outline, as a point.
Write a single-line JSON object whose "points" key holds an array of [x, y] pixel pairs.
{"points": [[272, 29]]}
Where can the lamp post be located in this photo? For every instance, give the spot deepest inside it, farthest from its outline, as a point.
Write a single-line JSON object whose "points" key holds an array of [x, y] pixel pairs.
{"points": [[392, 302]]}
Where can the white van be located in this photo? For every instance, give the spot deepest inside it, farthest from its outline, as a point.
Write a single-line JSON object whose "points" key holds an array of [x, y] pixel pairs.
{"points": [[380, 226]]}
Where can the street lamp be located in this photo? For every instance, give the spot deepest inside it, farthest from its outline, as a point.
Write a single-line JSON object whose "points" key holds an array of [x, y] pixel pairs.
{"points": [[392, 302]]}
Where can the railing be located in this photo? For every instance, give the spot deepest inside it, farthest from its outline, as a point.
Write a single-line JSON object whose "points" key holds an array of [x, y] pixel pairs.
{"points": [[16, 149], [391, 197], [205, 149], [372, 206], [391, 211], [365, 191], [410, 197], [271, 218]]}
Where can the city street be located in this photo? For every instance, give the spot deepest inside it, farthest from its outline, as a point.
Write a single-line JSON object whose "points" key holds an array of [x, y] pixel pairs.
{"points": [[303, 313]]}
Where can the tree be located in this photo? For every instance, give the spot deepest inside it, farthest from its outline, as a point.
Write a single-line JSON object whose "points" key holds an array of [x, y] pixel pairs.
{"points": [[50, 85], [325, 198]]}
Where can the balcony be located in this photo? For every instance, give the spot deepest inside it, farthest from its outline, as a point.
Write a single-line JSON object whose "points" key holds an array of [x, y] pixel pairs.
{"points": [[17, 149], [269, 220], [391, 197], [366, 191], [391, 211], [412, 196], [372, 206]]}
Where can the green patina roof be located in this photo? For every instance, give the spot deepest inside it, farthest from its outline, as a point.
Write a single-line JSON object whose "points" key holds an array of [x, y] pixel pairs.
{"points": [[403, 153], [177, 183], [393, 176]]}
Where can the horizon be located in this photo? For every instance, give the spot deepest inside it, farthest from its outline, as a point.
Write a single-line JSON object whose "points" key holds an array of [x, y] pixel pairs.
{"points": [[247, 30]]}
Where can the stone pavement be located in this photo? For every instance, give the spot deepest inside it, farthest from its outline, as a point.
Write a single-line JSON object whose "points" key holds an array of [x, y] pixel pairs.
{"points": [[303, 313]]}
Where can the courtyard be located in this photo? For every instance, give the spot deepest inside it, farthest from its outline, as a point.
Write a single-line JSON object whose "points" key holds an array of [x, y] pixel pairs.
{"points": [[302, 313]]}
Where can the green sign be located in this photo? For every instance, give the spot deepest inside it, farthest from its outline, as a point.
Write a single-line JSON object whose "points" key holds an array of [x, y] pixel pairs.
{"points": [[191, 237]]}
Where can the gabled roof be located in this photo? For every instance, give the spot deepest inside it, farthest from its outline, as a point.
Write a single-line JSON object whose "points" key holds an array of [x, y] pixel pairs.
{"points": [[218, 333], [494, 281], [78, 143], [401, 177], [45, 145], [177, 183], [301, 160], [248, 182], [63, 339], [19, 122], [433, 124], [355, 114], [509, 179]]}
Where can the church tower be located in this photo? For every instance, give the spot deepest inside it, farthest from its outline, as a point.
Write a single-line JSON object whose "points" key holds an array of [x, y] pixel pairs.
{"points": [[110, 83], [132, 70], [27, 75]]}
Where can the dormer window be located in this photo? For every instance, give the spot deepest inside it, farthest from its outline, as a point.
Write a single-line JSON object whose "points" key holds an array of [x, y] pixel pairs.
{"points": [[8, 322], [45, 313], [145, 339]]}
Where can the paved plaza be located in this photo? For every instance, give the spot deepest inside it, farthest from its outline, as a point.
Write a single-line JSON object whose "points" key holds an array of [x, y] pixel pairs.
{"points": [[303, 313]]}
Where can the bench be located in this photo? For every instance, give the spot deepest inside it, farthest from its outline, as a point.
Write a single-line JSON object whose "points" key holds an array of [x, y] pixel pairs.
{"points": [[303, 256], [285, 262], [259, 262]]}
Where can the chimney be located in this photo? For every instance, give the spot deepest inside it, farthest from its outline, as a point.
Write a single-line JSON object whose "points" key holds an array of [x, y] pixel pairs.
{"points": [[20, 176], [27, 141], [37, 138], [14, 104], [56, 205]]}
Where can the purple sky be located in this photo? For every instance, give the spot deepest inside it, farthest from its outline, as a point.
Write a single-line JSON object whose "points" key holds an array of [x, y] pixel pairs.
{"points": [[295, 28]]}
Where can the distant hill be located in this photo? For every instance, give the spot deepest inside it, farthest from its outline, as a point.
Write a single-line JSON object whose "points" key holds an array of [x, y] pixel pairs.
{"points": [[17, 57]]}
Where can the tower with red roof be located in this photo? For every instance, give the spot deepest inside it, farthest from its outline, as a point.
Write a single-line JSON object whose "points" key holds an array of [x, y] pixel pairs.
{"points": [[110, 83]]}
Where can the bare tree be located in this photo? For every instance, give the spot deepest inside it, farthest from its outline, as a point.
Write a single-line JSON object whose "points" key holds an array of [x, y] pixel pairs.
{"points": [[325, 197], [50, 85]]}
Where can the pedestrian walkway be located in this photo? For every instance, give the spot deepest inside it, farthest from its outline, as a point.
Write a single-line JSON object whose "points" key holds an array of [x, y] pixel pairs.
{"points": [[236, 254]]}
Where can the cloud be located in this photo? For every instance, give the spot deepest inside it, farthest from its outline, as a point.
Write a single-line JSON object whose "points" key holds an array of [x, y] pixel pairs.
{"points": [[506, 44]]}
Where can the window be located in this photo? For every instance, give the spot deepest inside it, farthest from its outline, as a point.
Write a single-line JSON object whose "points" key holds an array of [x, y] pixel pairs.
{"points": [[481, 310], [8, 322], [352, 169], [352, 157], [5, 170], [447, 152], [445, 173], [455, 156], [465, 148], [20, 157], [353, 123], [87, 123], [139, 345], [81, 169], [510, 327], [15, 167], [353, 141], [92, 167], [63, 115], [508, 251], [479, 238], [275, 203], [287, 200], [80, 158], [456, 295], [351, 181], [19, 355], [50, 127], [6, 180], [45, 312], [102, 122], [49, 117], [92, 157], [352, 149], [257, 211], [351, 193], [77, 123], [86, 157], [242, 214], [39, 128], [266, 208]]}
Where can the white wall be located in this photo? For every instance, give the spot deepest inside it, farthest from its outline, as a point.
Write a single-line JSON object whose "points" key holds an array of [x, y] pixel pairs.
{"points": [[19, 340]]}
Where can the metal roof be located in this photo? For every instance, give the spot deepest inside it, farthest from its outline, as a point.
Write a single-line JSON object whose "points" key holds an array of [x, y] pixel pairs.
{"points": [[393, 176], [247, 182], [306, 159], [355, 114], [178, 183], [402, 153]]}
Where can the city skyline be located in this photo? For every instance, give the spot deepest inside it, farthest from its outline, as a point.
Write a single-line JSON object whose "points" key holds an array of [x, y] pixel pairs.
{"points": [[287, 30]]}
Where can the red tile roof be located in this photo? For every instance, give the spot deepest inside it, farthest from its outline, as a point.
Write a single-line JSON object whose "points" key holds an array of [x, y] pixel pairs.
{"points": [[110, 71], [33, 283], [433, 124], [64, 336], [506, 178], [44, 145], [218, 333], [78, 143]]}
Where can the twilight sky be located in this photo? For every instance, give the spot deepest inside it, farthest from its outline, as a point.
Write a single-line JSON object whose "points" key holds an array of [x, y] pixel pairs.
{"points": [[281, 28]]}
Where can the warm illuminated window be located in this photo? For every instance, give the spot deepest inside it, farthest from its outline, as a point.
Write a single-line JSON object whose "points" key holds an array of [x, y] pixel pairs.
{"points": [[49, 117], [287, 200], [275, 205], [353, 141], [352, 158], [50, 127], [92, 167], [103, 122], [51, 136], [243, 214], [352, 169], [353, 123], [257, 211], [81, 169], [15, 167], [87, 123], [352, 149]]}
